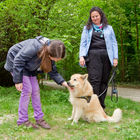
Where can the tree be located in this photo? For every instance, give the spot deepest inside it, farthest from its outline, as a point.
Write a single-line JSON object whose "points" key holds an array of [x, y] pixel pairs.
{"points": [[20, 20]]}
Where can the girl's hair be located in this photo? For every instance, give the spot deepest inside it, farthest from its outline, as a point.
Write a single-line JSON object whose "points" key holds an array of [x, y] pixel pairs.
{"points": [[103, 17], [56, 49]]}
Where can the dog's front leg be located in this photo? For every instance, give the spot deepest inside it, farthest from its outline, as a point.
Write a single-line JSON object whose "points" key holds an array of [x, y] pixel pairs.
{"points": [[77, 115], [73, 114]]}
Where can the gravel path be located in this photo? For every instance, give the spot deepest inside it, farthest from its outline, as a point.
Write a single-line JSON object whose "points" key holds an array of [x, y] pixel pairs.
{"points": [[130, 93]]}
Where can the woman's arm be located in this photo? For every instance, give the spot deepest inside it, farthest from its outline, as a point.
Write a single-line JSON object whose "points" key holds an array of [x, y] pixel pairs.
{"points": [[115, 49], [83, 43]]}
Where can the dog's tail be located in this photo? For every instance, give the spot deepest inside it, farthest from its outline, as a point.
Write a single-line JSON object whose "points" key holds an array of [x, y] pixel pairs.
{"points": [[116, 117]]}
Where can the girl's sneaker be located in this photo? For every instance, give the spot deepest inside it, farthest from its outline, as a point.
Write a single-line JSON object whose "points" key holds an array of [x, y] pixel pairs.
{"points": [[29, 124], [43, 123]]}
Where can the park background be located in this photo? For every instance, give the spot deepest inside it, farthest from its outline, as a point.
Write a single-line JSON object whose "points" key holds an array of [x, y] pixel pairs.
{"points": [[64, 20]]}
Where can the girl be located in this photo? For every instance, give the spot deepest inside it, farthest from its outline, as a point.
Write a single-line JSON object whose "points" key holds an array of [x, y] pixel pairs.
{"points": [[23, 61]]}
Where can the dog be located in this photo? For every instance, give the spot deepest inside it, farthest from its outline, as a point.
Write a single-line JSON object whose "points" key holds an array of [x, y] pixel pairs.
{"points": [[86, 104]]}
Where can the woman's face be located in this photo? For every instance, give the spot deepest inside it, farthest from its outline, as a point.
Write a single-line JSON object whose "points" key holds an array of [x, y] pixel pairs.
{"points": [[55, 59], [96, 18]]}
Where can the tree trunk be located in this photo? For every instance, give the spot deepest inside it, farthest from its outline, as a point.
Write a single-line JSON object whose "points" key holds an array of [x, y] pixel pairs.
{"points": [[122, 55], [136, 22]]}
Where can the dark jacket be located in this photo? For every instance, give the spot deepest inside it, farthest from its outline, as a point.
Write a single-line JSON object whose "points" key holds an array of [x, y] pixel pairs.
{"points": [[22, 60]]}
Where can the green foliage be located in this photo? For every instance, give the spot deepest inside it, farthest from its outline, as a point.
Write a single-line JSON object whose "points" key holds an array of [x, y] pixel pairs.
{"points": [[24, 19], [123, 16], [64, 20], [20, 20]]}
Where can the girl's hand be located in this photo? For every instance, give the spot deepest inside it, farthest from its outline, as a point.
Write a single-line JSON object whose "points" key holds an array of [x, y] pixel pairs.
{"points": [[19, 86], [115, 62], [82, 61], [66, 85]]}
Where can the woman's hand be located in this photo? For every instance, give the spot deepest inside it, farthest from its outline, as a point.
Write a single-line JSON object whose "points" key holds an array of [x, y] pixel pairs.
{"points": [[19, 86], [115, 62], [82, 61]]}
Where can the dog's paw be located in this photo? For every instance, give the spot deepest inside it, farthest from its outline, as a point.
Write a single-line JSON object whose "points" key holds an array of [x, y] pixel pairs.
{"points": [[69, 119], [74, 122]]}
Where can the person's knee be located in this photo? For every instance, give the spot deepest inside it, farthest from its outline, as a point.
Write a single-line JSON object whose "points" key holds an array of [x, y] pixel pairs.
{"points": [[27, 91], [36, 90]]}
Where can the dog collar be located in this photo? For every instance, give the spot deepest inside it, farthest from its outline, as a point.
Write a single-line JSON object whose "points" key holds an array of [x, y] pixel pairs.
{"points": [[87, 98]]}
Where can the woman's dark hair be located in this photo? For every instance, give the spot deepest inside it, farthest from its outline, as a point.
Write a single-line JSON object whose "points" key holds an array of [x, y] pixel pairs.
{"points": [[56, 49], [103, 17]]}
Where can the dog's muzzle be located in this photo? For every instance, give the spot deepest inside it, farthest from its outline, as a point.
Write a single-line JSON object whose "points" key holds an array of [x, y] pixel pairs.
{"points": [[70, 85]]}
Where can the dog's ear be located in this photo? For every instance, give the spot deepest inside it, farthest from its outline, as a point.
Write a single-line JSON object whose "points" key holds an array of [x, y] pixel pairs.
{"points": [[84, 77]]}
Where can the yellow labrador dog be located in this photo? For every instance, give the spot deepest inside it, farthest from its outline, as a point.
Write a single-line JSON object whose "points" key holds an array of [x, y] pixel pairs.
{"points": [[85, 104]]}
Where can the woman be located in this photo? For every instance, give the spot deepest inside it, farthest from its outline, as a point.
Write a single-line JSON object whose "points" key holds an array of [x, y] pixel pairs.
{"points": [[99, 51], [23, 61]]}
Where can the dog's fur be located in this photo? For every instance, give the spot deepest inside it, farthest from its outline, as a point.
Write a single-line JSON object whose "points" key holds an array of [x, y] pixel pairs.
{"points": [[92, 111]]}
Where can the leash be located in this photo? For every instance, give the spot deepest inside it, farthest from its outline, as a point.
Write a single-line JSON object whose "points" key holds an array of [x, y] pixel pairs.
{"points": [[114, 87]]}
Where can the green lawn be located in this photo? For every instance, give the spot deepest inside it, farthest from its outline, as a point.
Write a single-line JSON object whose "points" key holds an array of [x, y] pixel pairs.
{"points": [[57, 109]]}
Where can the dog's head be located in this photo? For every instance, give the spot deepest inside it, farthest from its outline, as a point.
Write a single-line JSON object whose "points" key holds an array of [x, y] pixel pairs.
{"points": [[77, 81]]}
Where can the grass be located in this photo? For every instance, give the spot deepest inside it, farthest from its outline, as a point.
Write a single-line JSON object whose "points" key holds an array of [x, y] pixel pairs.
{"points": [[57, 109]]}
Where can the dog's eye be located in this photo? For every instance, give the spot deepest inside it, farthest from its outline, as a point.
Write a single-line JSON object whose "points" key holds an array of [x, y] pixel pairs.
{"points": [[74, 79]]}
